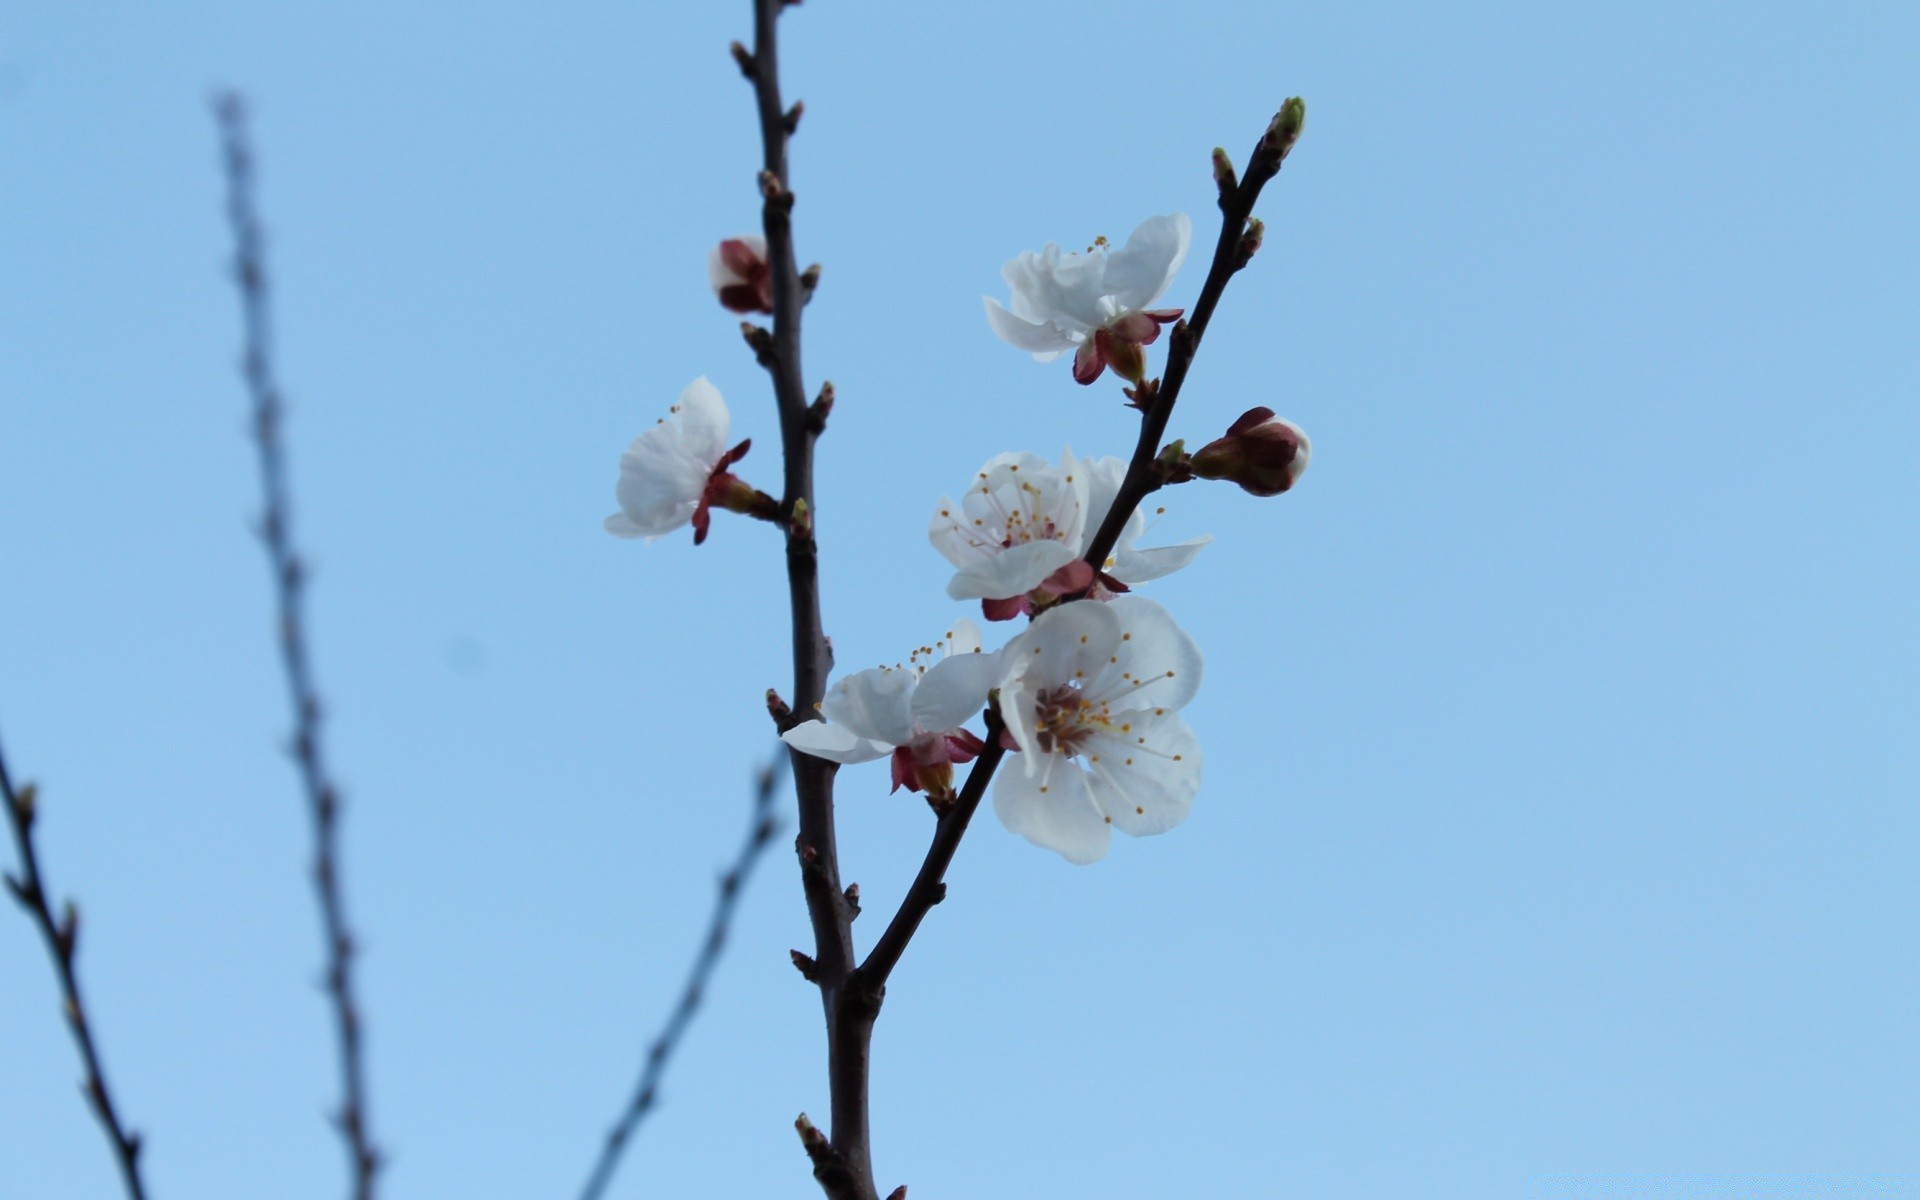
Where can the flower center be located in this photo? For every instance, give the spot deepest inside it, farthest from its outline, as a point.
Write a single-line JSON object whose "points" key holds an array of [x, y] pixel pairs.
{"points": [[1066, 719]]}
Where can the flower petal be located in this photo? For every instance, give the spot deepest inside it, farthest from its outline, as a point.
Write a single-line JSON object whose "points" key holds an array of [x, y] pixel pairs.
{"points": [[874, 704], [1139, 566], [835, 743], [1140, 271], [1052, 808], [953, 691], [704, 421], [1155, 663], [1041, 340], [1145, 779], [963, 638], [1012, 572]]}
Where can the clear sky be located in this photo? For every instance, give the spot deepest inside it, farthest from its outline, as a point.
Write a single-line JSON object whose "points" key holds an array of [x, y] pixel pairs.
{"points": [[1560, 811]]}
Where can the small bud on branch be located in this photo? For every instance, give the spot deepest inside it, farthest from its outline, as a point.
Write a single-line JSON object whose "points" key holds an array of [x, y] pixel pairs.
{"points": [[744, 57], [821, 408], [760, 341], [1223, 174]]}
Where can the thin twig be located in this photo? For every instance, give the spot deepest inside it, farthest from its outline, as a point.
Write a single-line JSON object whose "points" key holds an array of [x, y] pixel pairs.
{"points": [[289, 578], [660, 1052], [1239, 239], [62, 937]]}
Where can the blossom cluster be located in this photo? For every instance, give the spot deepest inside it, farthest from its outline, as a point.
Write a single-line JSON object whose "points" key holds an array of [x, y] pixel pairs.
{"points": [[1088, 695]]}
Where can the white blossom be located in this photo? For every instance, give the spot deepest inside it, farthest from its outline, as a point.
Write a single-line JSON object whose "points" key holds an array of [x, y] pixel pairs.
{"points": [[1025, 521], [914, 712], [1097, 304], [1091, 695], [673, 473]]}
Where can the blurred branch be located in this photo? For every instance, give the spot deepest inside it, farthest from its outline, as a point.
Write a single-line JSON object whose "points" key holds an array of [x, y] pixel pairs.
{"points": [[289, 577], [732, 884], [62, 937]]}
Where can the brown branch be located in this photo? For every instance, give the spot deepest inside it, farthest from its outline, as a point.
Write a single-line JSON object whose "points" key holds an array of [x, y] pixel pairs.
{"points": [[62, 937], [843, 1164], [660, 1052], [1240, 236], [929, 887], [289, 578]]}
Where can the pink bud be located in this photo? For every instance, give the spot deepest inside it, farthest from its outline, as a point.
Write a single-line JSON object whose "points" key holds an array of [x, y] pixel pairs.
{"points": [[1262, 453], [737, 268]]}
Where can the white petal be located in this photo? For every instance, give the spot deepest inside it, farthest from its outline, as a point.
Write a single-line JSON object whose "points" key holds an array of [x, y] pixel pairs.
{"points": [[835, 743], [1155, 664], [658, 487], [620, 527], [1139, 566], [874, 703], [954, 691], [1146, 778], [1041, 340], [1062, 290], [1140, 271], [1052, 808], [963, 638], [1015, 571], [703, 420]]}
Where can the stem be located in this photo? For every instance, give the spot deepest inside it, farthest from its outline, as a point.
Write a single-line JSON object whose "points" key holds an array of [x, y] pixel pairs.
{"points": [[30, 890], [646, 1092], [289, 578], [929, 887], [843, 1165], [1230, 253]]}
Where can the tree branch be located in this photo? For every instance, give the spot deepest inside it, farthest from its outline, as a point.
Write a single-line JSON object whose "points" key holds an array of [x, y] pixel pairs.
{"points": [[289, 578], [1239, 237], [62, 937], [843, 1166], [732, 884], [929, 887]]}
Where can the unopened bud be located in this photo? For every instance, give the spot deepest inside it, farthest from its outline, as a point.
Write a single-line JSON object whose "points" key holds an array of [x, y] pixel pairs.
{"points": [[737, 268], [1262, 453], [23, 804], [745, 59], [1286, 127], [1223, 174]]}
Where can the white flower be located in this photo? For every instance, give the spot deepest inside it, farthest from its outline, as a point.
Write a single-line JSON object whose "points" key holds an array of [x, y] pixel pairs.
{"points": [[673, 473], [742, 281], [1096, 304], [916, 713], [1020, 522], [1091, 696], [1024, 524]]}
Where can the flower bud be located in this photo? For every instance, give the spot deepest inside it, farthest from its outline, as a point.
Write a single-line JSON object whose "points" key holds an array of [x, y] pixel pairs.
{"points": [[1262, 453], [1285, 129], [737, 268]]}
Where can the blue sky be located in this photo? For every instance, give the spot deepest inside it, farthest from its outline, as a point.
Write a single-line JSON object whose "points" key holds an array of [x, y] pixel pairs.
{"points": [[1560, 806]]}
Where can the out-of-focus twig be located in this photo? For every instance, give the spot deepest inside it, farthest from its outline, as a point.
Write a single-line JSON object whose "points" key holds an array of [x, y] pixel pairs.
{"points": [[62, 937], [289, 578], [647, 1092]]}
